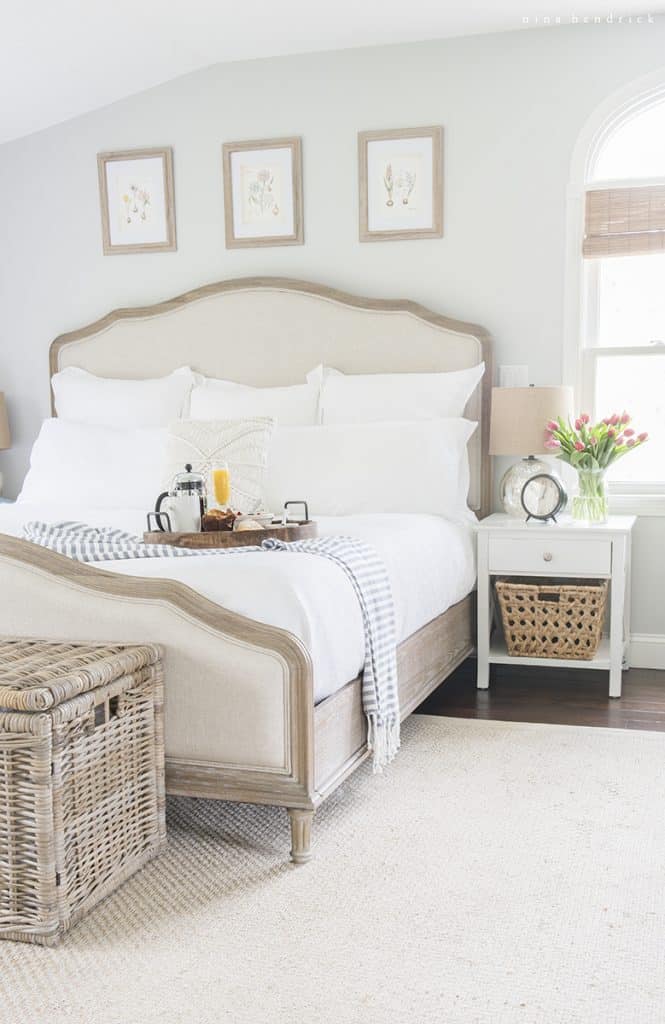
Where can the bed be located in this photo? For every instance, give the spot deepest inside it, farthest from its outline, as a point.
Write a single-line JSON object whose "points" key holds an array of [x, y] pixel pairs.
{"points": [[255, 712]]}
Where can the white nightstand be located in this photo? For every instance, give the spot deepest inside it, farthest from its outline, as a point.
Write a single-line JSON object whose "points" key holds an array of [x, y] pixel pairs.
{"points": [[510, 547]]}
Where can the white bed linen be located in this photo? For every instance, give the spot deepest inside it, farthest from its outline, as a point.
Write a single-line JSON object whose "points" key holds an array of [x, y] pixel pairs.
{"points": [[430, 561]]}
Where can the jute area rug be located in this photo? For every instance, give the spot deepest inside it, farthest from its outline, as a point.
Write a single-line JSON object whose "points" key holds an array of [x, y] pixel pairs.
{"points": [[497, 873]]}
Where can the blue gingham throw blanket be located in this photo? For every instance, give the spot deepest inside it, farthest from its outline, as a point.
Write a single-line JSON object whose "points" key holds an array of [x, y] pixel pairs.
{"points": [[359, 561]]}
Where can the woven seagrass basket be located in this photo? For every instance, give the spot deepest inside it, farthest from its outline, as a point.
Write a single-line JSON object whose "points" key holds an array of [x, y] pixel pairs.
{"points": [[543, 619], [81, 778]]}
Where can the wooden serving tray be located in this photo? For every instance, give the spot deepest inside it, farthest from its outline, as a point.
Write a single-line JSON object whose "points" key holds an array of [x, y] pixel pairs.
{"points": [[233, 538]]}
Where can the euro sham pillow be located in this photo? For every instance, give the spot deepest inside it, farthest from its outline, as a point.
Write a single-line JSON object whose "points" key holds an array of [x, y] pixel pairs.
{"points": [[95, 467], [295, 405], [81, 397], [344, 469], [241, 444], [371, 397]]}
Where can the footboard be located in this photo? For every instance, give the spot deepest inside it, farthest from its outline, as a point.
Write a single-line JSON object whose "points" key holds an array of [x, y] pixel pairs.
{"points": [[239, 704]]}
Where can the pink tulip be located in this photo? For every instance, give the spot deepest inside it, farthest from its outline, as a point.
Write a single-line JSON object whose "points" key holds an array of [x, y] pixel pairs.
{"points": [[552, 425], [620, 439], [607, 421], [625, 418], [593, 440], [642, 437], [578, 424], [552, 443], [611, 432], [628, 432], [579, 446], [631, 442], [585, 417], [614, 419]]}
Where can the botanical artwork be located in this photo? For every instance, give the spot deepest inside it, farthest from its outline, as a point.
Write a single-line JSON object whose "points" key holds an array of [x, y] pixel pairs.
{"points": [[263, 193], [400, 177], [137, 201], [135, 204], [400, 184]]}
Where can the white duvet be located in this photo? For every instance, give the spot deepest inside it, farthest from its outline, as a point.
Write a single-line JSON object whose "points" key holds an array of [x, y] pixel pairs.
{"points": [[430, 561]]}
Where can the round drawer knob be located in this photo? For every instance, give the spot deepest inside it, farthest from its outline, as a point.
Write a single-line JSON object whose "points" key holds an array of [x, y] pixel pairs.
{"points": [[547, 556]]}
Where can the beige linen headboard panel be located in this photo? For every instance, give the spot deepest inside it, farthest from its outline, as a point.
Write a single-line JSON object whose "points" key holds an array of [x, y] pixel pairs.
{"points": [[271, 331]]}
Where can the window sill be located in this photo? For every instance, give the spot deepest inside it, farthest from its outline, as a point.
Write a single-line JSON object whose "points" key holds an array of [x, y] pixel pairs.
{"points": [[638, 504]]}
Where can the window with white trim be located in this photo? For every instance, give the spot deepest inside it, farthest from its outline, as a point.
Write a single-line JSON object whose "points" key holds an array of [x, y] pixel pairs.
{"points": [[623, 336]]}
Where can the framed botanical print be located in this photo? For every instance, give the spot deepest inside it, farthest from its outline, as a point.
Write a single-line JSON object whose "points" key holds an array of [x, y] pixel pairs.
{"points": [[263, 193], [401, 184], [137, 199]]}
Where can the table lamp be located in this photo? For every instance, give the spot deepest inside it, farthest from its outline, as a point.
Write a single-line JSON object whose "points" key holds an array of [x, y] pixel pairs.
{"points": [[5, 438], [518, 427]]}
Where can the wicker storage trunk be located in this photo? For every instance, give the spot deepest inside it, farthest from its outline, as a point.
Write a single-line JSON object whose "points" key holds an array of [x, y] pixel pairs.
{"points": [[543, 619], [81, 779]]}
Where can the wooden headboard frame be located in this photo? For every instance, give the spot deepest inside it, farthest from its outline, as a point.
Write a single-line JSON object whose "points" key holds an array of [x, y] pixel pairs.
{"points": [[268, 331]]}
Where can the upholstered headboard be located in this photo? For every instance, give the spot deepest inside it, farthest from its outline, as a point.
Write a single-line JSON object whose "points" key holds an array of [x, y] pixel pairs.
{"points": [[270, 331]]}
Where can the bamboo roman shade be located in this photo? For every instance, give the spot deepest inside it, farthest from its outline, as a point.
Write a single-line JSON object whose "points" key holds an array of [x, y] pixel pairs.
{"points": [[624, 221]]}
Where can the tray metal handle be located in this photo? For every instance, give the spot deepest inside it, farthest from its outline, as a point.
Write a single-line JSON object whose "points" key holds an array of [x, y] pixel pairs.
{"points": [[285, 514], [159, 517]]}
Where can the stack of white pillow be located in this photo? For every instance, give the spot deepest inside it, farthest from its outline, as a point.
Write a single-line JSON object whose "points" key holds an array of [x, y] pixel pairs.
{"points": [[347, 443]]}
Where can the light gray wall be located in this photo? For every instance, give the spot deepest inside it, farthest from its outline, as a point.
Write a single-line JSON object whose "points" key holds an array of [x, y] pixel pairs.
{"points": [[512, 105]]}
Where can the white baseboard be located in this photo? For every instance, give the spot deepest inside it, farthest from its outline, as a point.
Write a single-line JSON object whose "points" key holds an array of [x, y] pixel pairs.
{"points": [[647, 650]]}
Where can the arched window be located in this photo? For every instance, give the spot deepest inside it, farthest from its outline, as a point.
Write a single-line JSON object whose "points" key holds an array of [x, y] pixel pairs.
{"points": [[623, 331]]}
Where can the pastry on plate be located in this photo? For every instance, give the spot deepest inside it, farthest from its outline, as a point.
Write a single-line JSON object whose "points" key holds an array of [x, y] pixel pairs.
{"points": [[218, 519]]}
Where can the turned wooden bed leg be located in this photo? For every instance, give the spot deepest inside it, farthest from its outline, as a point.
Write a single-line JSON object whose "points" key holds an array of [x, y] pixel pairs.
{"points": [[301, 834]]}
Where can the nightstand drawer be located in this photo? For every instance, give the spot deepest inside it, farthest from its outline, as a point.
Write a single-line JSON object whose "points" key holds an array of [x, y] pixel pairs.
{"points": [[550, 556]]}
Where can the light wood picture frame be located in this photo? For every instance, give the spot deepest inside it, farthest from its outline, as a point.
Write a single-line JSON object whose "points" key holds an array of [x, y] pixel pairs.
{"points": [[401, 184], [137, 201], [263, 198]]}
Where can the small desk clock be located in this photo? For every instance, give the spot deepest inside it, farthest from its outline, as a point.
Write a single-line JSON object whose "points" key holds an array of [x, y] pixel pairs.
{"points": [[543, 497]]}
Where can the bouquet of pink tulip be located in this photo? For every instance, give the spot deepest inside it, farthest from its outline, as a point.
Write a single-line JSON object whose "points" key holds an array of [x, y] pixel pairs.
{"points": [[592, 447], [590, 450]]}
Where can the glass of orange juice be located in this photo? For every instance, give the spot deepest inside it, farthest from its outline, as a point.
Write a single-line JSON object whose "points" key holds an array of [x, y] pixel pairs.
{"points": [[221, 484]]}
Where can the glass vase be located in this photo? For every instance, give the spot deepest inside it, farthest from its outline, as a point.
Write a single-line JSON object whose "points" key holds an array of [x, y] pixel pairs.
{"points": [[590, 504]]}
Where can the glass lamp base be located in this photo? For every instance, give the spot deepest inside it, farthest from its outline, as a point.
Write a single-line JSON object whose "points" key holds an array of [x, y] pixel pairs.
{"points": [[514, 479]]}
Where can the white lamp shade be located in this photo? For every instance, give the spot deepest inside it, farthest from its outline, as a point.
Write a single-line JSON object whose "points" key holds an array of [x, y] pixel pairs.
{"points": [[519, 417], [5, 437]]}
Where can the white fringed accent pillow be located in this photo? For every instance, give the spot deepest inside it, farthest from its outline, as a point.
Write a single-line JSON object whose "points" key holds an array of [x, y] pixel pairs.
{"points": [[241, 444]]}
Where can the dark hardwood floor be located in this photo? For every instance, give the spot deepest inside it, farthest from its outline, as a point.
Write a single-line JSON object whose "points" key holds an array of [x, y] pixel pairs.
{"points": [[560, 696]]}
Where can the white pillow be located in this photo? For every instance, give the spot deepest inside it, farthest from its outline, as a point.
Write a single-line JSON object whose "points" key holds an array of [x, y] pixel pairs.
{"points": [[103, 401], [96, 467], [292, 406], [343, 469], [241, 444], [369, 397]]}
